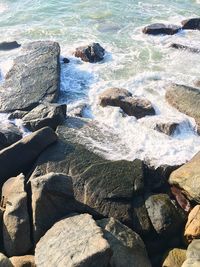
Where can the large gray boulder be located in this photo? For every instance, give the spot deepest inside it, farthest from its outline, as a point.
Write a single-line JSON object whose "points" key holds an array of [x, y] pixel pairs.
{"points": [[127, 246], [52, 199], [45, 115], [73, 242], [132, 106], [34, 77], [9, 134], [20, 156], [16, 223], [186, 99]]}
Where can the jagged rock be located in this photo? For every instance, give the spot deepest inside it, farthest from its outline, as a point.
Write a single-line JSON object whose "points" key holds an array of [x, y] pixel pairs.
{"points": [[132, 106], [45, 115], [165, 216], [185, 47], [191, 24], [187, 178], [23, 261], [16, 224], [159, 28], [90, 53], [65, 60], [174, 258], [74, 241], [4, 261], [52, 199], [186, 99], [34, 78], [9, 45], [9, 134], [193, 254], [20, 156], [127, 246], [166, 128], [192, 228]]}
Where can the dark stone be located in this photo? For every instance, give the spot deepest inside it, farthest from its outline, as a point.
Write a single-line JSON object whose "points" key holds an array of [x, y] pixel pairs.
{"points": [[45, 115], [34, 78], [166, 127], [181, 199], [9, 45], [159, 28], [9, 134], [91, 53], [191, 24], [185, 47], [17, 114], [66, 60]]}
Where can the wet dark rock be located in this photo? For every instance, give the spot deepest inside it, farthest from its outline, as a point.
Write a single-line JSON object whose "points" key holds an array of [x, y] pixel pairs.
{"points": [[181, 199], [9, 45], [65, 60], [185, 47], [166, 128], [132, 106], [34, 78], [9, 134], [91, 53], [17, 114], [159, 28], [191, 24], [45, 115]]}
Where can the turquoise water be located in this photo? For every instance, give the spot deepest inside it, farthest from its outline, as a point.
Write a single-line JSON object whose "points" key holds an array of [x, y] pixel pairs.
{"points": [[142, 64]]}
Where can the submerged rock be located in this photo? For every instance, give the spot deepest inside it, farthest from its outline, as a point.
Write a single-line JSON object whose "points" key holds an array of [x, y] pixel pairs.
{"points": [[91, 53], [132, 106], [73, 242], [9, 134], [185, 47], [193, 254], [174, 258], [65, 60], [159, 28], [192, 228], [9, 45], [34, 77], [191, 24], [166, 127]]}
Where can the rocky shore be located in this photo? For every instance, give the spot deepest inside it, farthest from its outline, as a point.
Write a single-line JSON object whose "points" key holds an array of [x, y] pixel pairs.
{"points": [[63, 204]]}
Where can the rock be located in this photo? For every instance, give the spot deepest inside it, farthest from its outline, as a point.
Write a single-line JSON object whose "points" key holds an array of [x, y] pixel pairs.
{"points": [[9, 45], [9, 134], [45, 115], [65, 60], [23, 261], [4, 261], [181, 199], [197, 83], [16, 224], [193, 254], [185, 47], [185, 99], [174, 258], [165, 216], [132, 106], [166, 128], [91, 53], [17, 114], [52, 199], [187, 178], [191, 24], [79, 111], [127, 246], [74, 241], [34, 78], [28, 149], [159, 28], [192, 228]]}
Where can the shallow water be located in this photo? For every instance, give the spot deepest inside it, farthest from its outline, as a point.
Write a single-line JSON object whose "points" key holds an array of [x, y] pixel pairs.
{"points": [[142, 64]]}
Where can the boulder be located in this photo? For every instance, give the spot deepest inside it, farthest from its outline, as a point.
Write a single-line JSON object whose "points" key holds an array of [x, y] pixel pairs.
{"points": [[132, 106], [193, 254], [174, 258], [90, 53], [191, 24], [192, 228], [185, 47], [23, 261], [4, 261], [34, 78], [45, 115], [9, 134], [186, 99], [159, 28], [16, 224], [187, 178], [20, 156], [52, 199], [127, 246], [166, 217], [74, 241], [9, 45]]}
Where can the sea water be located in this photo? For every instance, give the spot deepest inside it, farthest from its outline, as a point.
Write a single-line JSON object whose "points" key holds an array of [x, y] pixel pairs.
{"points": [[142, 64]]}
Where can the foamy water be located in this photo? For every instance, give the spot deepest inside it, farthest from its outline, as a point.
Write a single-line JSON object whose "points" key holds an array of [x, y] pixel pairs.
{"points": [[142, 64]]}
